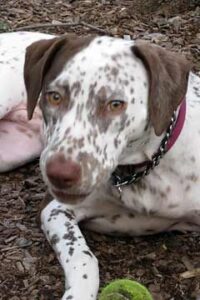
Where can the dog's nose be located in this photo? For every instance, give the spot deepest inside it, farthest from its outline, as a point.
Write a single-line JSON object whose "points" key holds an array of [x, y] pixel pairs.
{"points": [[61, 172]]}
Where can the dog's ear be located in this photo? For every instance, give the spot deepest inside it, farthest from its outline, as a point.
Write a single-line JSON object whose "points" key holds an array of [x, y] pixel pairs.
{"points": [[38, 59], [168, 77]]}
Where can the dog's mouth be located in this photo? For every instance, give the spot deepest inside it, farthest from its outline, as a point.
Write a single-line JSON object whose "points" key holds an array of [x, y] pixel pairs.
{"points": [[70, 198]]}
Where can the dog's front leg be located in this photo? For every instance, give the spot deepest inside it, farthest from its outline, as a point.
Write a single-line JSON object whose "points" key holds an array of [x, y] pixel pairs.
{"points": [[80, 266]]}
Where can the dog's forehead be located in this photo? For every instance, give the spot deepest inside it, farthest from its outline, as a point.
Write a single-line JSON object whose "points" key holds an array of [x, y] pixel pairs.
{"points": [[105, 47], [103, 55]]}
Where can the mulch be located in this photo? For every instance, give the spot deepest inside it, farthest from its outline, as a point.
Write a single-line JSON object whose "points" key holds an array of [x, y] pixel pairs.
{"points": [[29, 269]]}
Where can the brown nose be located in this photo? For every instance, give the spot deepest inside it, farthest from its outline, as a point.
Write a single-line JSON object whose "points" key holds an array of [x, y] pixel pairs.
{"points": [[62, 173]]}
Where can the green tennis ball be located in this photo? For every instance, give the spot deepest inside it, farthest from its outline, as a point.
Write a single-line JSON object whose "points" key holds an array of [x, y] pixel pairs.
{"points": [[124, 289]]}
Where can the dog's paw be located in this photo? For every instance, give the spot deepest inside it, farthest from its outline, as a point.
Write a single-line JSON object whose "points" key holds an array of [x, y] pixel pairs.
{"points": [[77, 294]]}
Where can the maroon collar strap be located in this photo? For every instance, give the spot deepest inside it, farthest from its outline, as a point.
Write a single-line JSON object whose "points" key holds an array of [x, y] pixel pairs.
{"points": [[178, 126]]}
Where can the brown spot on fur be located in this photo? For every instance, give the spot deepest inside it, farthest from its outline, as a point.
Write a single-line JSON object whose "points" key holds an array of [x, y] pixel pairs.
{"points": [[54, 239], [172, 206], [71, 251], [126, 82], [188, 187], [115, 57], [192, 177], [106, 68], [168, 189], [163, 195], [76, 87], [67, 131], [153, 190], [114, 71], [87, 253], [131, 215], [116, 143]]}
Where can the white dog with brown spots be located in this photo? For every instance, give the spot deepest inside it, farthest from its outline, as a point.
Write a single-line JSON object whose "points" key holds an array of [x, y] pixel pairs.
{"points": [[112, 110]]}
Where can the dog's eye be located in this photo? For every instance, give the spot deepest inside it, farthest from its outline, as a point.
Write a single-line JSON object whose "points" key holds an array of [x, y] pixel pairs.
{"points": [[54, 98], [116, 106]]}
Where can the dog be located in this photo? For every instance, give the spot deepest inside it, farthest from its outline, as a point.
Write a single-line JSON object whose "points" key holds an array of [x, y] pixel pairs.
{"points": [[117, 125]]}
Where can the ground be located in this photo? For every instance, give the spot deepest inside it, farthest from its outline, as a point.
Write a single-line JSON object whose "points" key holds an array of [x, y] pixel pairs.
{"points": [[28, 267]]}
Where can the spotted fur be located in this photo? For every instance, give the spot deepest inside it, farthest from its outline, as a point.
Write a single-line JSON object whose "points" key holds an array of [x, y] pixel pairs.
{"points": [[88, 73]]}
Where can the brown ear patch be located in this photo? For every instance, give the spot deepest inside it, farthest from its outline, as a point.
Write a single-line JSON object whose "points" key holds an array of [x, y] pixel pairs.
{"points": [[168, 77], [37, 60], [45, 55]]}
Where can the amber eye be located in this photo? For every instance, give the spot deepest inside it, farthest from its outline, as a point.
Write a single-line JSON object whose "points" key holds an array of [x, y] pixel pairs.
{"points": [[116, 106], [54, 98]]}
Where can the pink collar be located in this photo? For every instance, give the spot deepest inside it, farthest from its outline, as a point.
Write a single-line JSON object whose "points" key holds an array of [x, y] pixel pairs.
{"points": [[178, 126]]}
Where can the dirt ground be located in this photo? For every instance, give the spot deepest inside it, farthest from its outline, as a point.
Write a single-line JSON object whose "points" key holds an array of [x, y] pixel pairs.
{"points": [[28, 267]]}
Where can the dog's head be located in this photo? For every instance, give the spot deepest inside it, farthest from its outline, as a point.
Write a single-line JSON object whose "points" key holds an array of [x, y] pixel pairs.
{"points": [[98, 95]]}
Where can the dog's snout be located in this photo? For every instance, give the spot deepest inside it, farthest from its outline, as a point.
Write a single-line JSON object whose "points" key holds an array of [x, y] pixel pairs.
{"points": [[61, 172]]}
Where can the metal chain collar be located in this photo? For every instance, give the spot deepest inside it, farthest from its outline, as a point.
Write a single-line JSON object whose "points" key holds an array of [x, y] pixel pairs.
{"points": [[119, 181]]}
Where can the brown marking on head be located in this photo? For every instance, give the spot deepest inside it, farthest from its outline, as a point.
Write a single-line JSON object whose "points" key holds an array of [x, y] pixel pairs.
{"points": [[101, 101], [168, 78], [114, 71], [45, 59], [76, 88]]}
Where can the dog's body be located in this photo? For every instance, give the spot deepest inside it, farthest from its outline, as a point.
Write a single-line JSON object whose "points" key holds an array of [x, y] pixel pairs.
{"points": [[86, 137]]}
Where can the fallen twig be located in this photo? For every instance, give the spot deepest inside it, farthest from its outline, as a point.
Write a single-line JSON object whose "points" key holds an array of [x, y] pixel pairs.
{"points": [[191, 274], [187, 263], [49, 25]]}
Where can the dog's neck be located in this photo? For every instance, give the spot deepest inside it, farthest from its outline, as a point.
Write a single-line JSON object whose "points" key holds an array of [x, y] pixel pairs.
{"points": [[143, 150], [129, 173]]}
